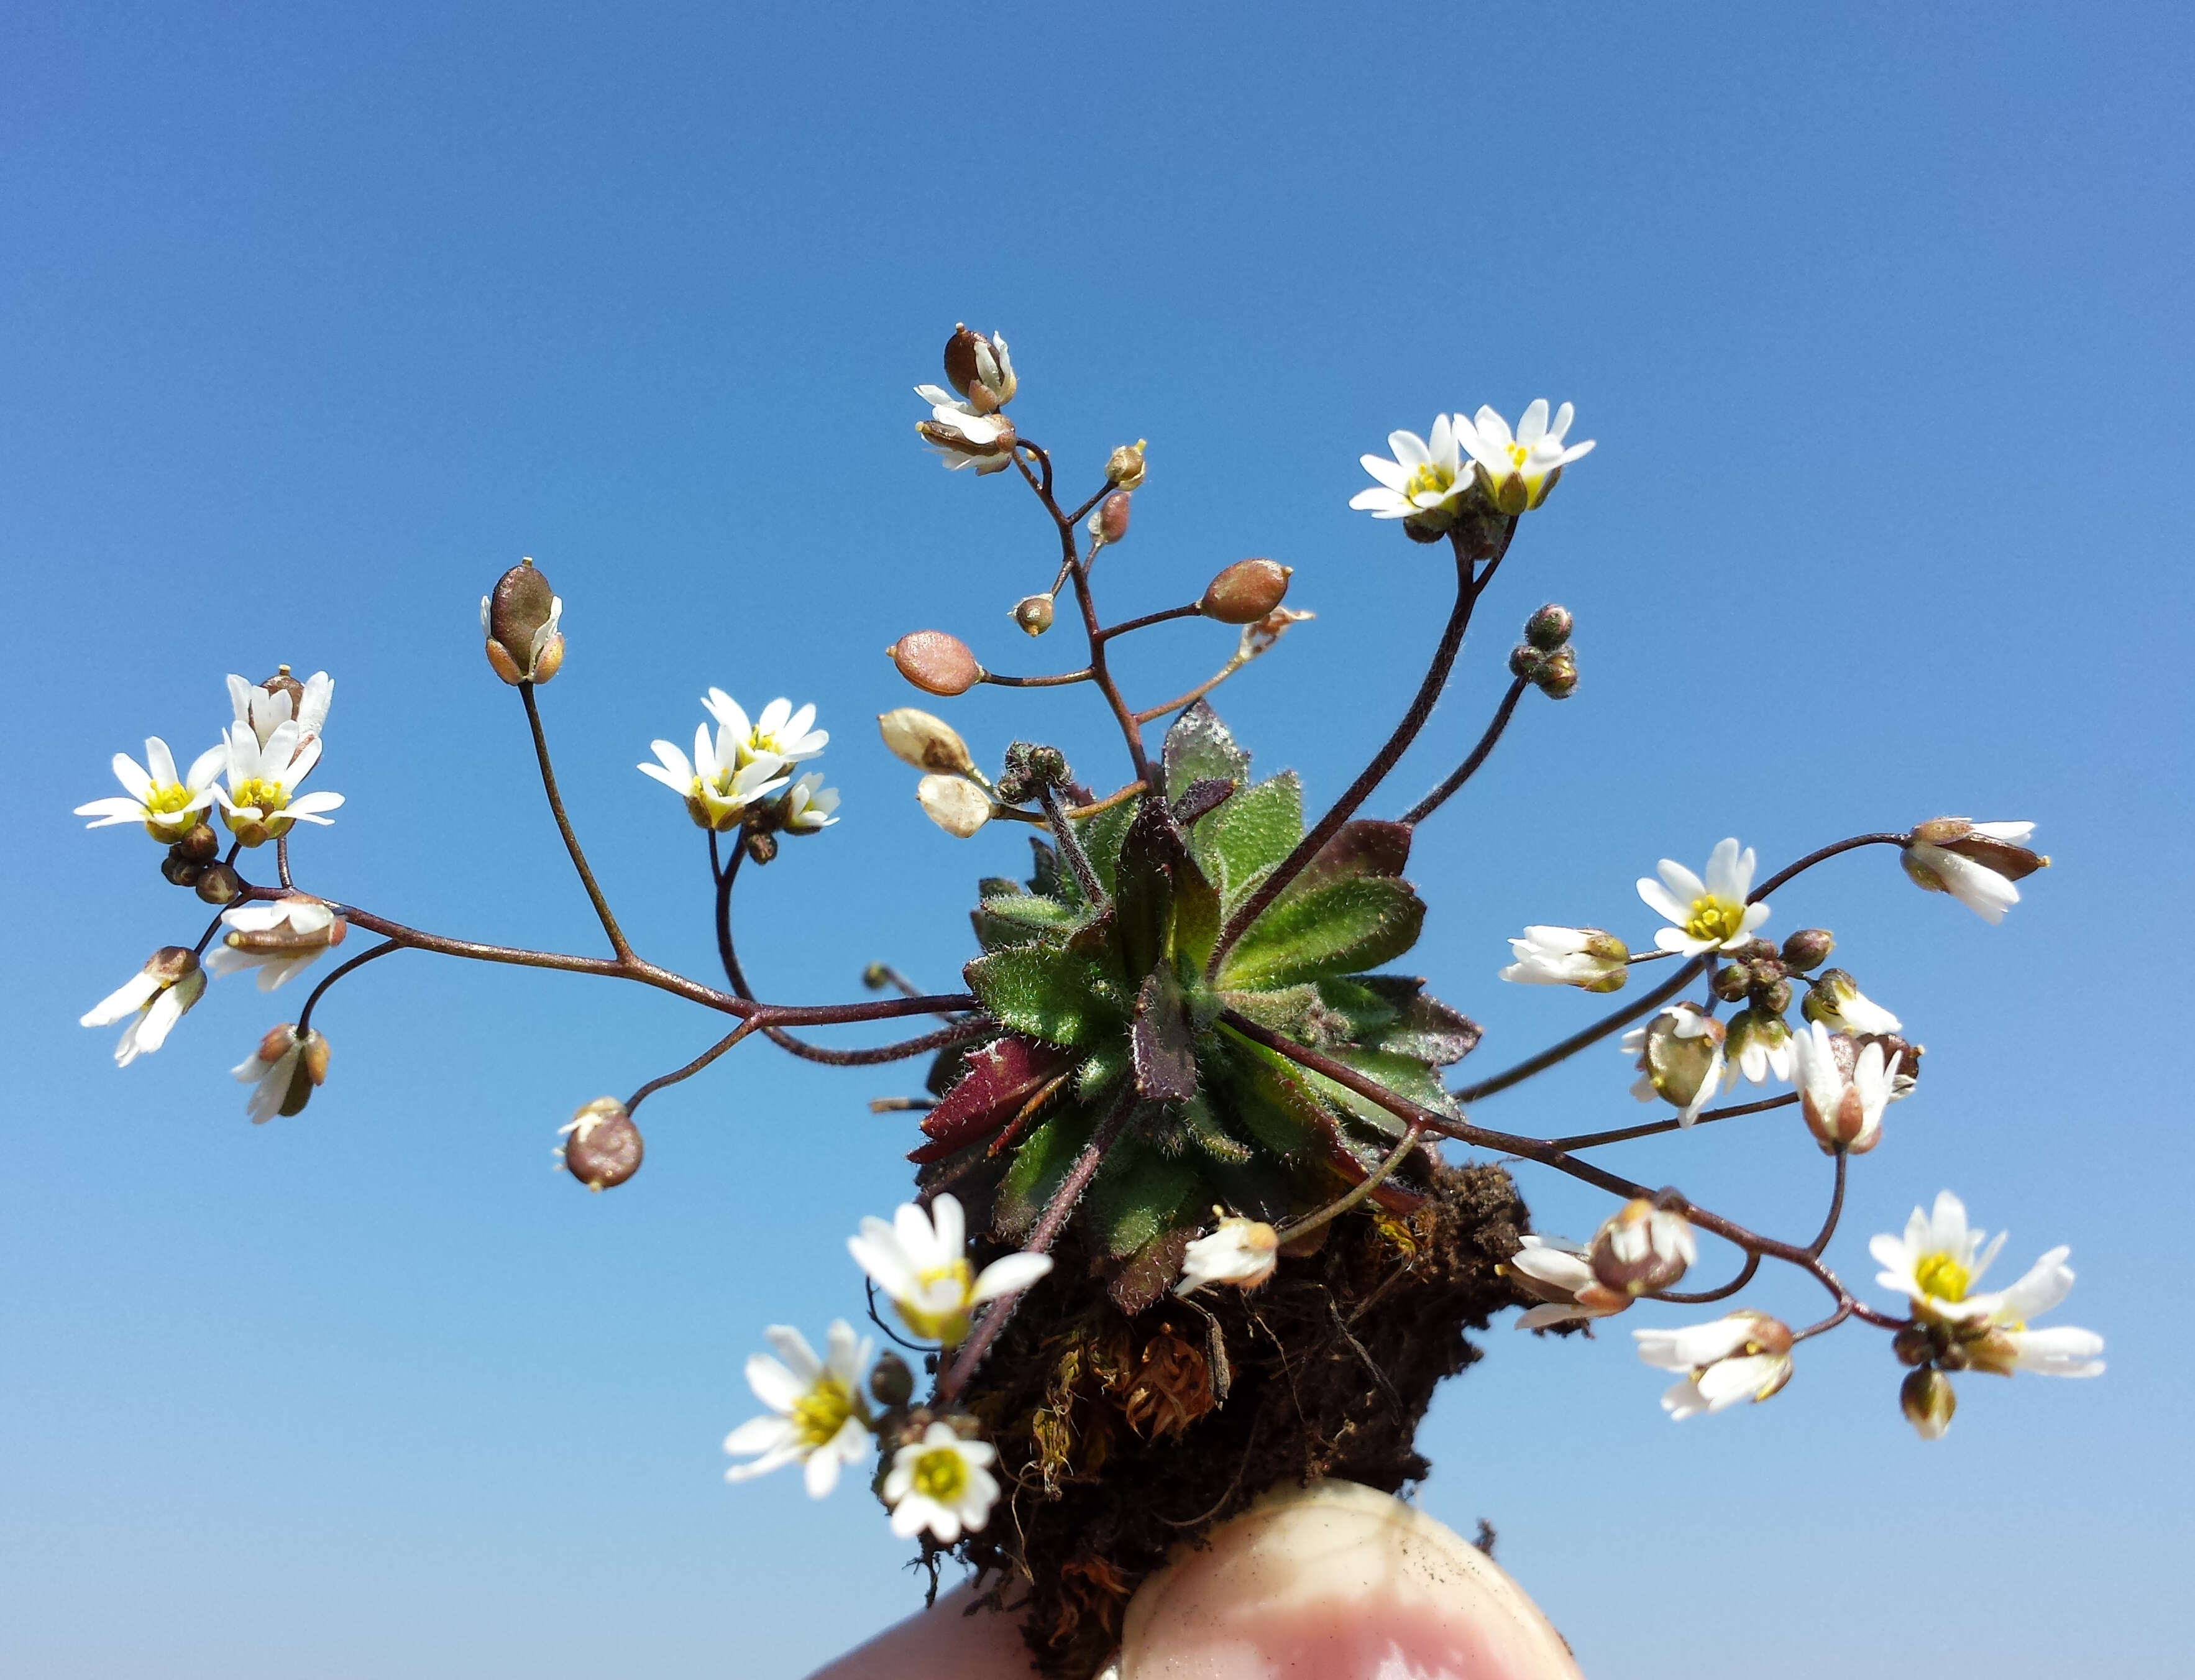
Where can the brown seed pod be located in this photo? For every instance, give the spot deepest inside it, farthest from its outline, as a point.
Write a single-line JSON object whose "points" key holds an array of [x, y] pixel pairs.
{"points": [[519, 617], [935, 662], [1246, 591], [602, 1145]]}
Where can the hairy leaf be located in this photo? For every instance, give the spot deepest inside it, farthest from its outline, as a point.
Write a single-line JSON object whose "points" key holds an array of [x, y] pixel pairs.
{"points": [[1422, 1026], [1001, 1076], [1363, 847], [1210, 1134], [1039, 1165], [1135, 1194], [1250, 834], [1348, 925], [1046, 879], [1019, 918], [1100, 836], [1203, 798], [1047, 993], [1198, 748], [1164, 1055]]}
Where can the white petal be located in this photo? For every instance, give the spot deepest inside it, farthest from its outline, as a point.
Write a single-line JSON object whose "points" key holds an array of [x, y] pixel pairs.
{"points": [[1009, 1275]]}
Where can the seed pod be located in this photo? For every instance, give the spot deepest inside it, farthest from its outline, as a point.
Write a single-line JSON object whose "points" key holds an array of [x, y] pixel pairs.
{"points": [[1033, 613], [1643, 1250], [602, 1145], [936, 663], [520, 620], [1927, 1401], [1548, 628], [219, 884], [958, 806], [1110, 522], [890, 1383], [1125, 466], [1246, 591], [914, 737]]}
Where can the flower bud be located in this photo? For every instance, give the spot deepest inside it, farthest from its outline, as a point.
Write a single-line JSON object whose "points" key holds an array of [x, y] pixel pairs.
{"points": [[890, 1383], [1643, 1250], [1774, 996], [200, 845], [1837, 1002], [1527, 661], [935, 662], [1808, 948], [1927, 1401], [1124, 467], [1033, 613], [954, 805], [1246, 591], [1109, 523], [180, 870], [1030, 768], [914, 737], [1558, 679], [1548, 628], [602, 1145], [761, 846], [520, 621], [219, 884], [1916, 1344], [1732, 981]]}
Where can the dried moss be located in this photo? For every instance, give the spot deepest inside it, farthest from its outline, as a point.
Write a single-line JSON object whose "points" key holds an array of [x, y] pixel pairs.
{"points": [[1121, 1437]]}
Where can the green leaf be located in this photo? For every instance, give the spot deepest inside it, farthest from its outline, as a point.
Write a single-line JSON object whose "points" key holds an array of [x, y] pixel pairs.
{"points": [[1047, 993], [1350, 924], [1018, 918], [1039, 1166], [1045, 880], [1285, 1011], [1250, 834], [1209, 1134], [1196, 914], [1135, 1194], [1363, 847], [1199, 748], [1101, 839], [1422, 1026], [1263, 1098], [1101, 1069], [1406, 1076]]}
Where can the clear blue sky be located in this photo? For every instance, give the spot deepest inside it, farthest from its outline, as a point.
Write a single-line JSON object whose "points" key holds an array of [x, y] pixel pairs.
{"points": [[314, 318]]}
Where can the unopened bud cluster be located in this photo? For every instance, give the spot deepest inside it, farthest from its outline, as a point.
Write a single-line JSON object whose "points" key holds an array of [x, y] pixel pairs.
{"points": [[1545, 657]]}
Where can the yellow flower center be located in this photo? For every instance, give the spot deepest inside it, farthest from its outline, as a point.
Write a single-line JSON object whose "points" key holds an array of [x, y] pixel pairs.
{"points": [[942, 1474], [266, 797], [947, 1323], [167, 800], [1519, 454], [822, 1412], [1941, 1277], [1433, 476], [1716, 919]]}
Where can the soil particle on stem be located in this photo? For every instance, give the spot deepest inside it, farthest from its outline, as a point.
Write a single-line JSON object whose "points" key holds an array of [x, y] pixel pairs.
{"points": [[1123, 1437]]}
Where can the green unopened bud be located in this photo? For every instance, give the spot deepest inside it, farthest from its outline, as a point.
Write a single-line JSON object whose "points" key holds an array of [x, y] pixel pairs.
{"points": [[1927, 1401], [1548, 628], [1559, 678], [1033, 613], [1732, 981], [219, 884], [761, 846], [1426, 527], [1774, 996], [1527, 661], [1029, 768], [520, 620], [180, 870], [936, 663], [602, 1146], [1809, 948], [914, 737], [1246, 591], [200, 845], [890, 1383], [1916, 1344], [1124, 467]]}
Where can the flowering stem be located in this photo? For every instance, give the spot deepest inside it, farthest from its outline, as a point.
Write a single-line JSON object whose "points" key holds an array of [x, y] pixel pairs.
{"points": [[207, 938], [691, 1068], [282, 858], [1592, 1034], [1813, 857], [1060, 680], [1195, 608], [1700, 1297], [305, 1015], [1468, 589], [1070, 845], [1048, 1226], [1335, 1209], [1469, 768], [564, 827], [1652, 1128], [1837, 1209]]}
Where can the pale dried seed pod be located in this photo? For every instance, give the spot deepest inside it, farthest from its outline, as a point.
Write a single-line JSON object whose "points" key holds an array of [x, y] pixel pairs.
{"points": [[954, 805], [914, 737]]}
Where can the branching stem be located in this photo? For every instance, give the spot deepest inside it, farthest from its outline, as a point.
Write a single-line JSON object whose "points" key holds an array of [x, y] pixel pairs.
{"points": [[564, 827]]}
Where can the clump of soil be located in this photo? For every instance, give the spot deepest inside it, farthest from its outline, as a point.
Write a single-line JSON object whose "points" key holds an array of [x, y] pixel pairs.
{"points": [[1121, 1437]]}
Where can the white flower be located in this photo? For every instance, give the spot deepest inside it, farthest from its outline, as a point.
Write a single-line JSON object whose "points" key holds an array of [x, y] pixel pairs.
{"points": [[167, 807], [153, 1000], [261, 802], [816, 1413], [780, 733], [1975, 863], [807, 805], [1842, 1090], [283, 1072], [1758, 1044], [265, 706], [1568, 956], [1745, 1356], [1558, 1272], [278, 937], [924, 1269], [1838, 1003], [1241, 1251], [1425, 480], [955, 805], [1936, 1264], [942, 1483], [715, 786], [1708, 915], [1680, 1058], [1519, 471]]}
